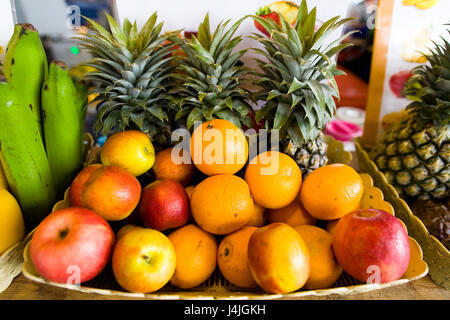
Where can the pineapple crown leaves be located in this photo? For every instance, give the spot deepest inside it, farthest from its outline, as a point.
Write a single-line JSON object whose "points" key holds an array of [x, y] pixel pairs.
{"points": [[133, 73], [429, 87], [297, 78], [211, 77]]}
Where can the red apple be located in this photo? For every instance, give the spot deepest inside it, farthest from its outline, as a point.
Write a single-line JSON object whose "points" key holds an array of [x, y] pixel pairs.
{"points": [[112, 192], [78, 183], [372, 246], [164, 205], [71, 245]]}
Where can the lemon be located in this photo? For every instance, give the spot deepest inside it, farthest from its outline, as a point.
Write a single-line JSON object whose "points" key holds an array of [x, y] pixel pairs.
{"points": [[12, 227]]}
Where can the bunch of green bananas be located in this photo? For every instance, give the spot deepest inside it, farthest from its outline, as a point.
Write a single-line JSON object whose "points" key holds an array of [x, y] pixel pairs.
{"points": [[42, 114]]}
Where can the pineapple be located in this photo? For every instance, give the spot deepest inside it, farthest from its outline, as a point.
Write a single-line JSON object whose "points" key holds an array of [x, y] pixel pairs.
{"points": [[414, 154], [210, 77], [298, 85], [133, 74]]}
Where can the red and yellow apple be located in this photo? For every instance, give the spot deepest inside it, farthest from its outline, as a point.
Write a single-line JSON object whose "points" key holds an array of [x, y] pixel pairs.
{"points": [[71, 245], [131, 150], [372, 246], [143, 260], [164, 205], [78, 183], [112, 192]]}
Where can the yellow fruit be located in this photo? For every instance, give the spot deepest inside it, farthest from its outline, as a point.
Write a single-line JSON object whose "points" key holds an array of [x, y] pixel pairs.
{"points": [[232, 257], [325, 271], [131, 150], [274, 179], [332, 191], [426, 4], [222, 204], [293, 215], [259, 216], [219, 147], [288, 10], [196, 252], [12, 227]]}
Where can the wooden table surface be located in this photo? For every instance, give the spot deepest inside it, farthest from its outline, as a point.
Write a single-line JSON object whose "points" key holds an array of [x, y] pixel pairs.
{"points": [[421, 289]]}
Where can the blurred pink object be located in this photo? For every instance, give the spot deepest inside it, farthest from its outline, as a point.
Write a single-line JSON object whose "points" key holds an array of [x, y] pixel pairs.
{"points": [[343, 130]]}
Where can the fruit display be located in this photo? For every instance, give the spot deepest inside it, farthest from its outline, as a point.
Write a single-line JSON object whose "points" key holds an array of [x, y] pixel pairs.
{"points": [[182, 192]]}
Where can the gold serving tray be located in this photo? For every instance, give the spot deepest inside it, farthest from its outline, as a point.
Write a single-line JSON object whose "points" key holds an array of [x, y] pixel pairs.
{"points": [[218, 288], [436, 254]]}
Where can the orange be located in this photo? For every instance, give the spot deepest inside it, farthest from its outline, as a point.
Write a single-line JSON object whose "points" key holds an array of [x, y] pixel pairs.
{"points": [[232, 258], [331, 226], [325, 271], [219, 147], [196, 253], [168, 166], [330, 192], [274, 179], [189, 191], [293, 214], [278, 258], [221, 204], [259, 216]]}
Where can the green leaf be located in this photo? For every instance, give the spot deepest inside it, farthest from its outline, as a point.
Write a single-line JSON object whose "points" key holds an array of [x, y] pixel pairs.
{"points": [[100, 30], [310, 24], [282, 115], [230, 116], [295, 85], [295, 133], [204, 33], [301, 16], [126, 27], [117, 32], [261, 113], [158, 112], [138, 118], [195, 115]]}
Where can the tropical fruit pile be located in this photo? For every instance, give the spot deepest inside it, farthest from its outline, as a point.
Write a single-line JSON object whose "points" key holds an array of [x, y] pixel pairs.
{"points": [[179, 189], [255, 220]]}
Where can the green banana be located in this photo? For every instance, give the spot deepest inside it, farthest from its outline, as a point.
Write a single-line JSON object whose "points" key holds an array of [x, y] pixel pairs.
{"points": [[23, 157], [26, 67], [63, 110]]}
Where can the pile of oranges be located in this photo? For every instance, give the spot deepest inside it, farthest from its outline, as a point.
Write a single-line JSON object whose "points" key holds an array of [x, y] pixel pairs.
{"points": [[255, 218]]}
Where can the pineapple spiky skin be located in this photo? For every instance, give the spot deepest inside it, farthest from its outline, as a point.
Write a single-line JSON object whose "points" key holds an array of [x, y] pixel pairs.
{"points": [[414, 154], [311, 156], [298, 83], [133, 72], [415, 158]]}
